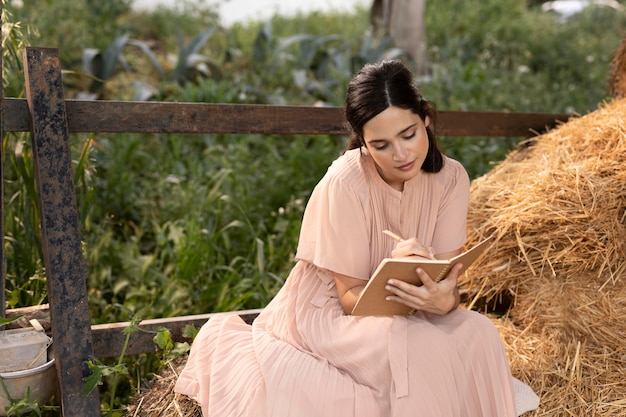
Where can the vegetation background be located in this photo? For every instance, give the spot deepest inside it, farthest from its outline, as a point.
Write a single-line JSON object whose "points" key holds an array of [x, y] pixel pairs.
{"points": [[176, 224]]}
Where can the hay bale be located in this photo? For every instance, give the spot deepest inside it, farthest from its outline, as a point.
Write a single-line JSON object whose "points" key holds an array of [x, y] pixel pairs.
{"points": [[575, 309], [572, 378], [557, 207]]}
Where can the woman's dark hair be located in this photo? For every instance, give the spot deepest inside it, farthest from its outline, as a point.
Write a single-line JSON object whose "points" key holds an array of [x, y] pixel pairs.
{"points": [[388, 84]]}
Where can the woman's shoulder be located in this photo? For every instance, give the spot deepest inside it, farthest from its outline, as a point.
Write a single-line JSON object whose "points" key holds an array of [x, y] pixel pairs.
{"points": [[452, 172], [453, 166], [349, 167], [345, 176]]}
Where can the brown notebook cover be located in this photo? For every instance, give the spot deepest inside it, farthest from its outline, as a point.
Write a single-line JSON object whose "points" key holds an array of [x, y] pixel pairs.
{"points": [[372, 300]]}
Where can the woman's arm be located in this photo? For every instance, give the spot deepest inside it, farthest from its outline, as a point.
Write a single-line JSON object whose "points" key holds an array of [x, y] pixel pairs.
{"points": [[348, 289]]}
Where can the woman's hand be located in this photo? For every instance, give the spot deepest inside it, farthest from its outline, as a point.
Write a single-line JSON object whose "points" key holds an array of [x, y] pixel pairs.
{"points": [[412, 247], [434, 297]]}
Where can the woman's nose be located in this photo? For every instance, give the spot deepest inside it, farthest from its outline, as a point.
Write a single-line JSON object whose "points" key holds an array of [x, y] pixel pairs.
{"points": [[399, 152]]}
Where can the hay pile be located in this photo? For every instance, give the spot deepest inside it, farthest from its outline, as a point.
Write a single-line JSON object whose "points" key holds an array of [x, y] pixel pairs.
{"points": [[557, 207], [159, 399]]}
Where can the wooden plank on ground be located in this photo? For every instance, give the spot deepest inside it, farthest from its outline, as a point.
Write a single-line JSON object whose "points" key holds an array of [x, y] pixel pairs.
{"points": [[160, 117], [66, 270], [108, 339]]}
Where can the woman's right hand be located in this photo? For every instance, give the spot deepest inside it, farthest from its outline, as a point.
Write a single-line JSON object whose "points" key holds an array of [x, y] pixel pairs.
{"points": [[412, 247], [434, 297]]}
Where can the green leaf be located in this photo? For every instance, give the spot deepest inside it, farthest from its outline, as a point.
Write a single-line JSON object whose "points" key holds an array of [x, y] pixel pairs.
{"points": [[4, 321], [163, 339], [23, 405], [151, 56], [190, 331], [180, 349], [95, 378], [133, 326]]}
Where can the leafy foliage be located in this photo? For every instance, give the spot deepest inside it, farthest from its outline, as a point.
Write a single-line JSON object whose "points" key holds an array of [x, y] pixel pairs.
{"points": [[15, 36], [71, 25]]}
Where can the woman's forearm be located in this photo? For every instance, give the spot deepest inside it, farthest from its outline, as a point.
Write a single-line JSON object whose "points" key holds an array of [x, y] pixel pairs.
{"points": [[348, 290]]}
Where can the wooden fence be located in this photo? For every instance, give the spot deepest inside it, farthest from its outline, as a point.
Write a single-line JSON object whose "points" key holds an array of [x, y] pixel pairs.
{"points": [[50, 119]]}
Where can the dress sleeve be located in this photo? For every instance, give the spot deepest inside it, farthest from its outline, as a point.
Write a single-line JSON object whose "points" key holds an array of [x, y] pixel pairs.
{"points": [[334, 234], [451, 227]]}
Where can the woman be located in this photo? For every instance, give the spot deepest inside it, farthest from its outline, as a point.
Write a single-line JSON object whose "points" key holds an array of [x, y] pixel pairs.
{"points": [[305, 355]]}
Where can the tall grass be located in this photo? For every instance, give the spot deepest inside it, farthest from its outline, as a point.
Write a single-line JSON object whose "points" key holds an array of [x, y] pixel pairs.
{"points": [[190, 224]]}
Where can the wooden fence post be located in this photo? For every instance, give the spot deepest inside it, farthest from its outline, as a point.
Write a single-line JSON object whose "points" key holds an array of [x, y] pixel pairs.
{"points": [[66, 270]]}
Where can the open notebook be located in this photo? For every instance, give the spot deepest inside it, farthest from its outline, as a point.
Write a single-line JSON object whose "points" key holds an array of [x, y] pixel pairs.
{"points": [[372, 300]]}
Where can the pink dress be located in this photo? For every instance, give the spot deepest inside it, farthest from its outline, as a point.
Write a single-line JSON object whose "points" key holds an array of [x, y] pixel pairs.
{"points": [[303, 357]]}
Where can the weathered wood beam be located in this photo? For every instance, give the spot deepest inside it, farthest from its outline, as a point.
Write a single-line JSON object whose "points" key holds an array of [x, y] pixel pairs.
{"points": [[161, 117], [66, 270], [109, 338]]}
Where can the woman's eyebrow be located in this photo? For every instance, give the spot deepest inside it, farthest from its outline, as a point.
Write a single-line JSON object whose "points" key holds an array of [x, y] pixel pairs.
{"points": [[398, 134], [406, 128]]}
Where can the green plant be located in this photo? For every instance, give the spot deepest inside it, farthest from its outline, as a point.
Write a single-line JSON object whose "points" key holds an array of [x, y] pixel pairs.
{"points": [[15, 37], [71, 25], [189, 63], [161, 25], [101, 66], [170, 350], [20, 406], [22, 233], [101, 371], [25, 278], [191, 66]]}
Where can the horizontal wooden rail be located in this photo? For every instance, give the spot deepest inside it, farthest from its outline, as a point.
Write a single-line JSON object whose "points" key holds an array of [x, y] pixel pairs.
{"points": [[109, 338], [164, 117]]}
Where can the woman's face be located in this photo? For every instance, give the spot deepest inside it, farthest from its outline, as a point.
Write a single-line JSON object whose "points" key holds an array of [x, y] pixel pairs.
{"points": [[397, 140]]}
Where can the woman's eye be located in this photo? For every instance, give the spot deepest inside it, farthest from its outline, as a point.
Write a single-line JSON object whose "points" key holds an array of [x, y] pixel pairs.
{"points": [[411, 136], [380, 147]]}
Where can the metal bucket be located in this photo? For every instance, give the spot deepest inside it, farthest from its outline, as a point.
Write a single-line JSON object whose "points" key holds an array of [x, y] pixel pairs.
{"points": [[41, 380], [26, 367]]}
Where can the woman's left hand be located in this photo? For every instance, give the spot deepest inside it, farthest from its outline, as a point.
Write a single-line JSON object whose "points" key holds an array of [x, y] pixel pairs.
{"points": [[434, 297]]}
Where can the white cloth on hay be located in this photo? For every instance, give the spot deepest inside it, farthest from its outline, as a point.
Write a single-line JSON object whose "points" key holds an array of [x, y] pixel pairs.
{"points": [[525, 398]]}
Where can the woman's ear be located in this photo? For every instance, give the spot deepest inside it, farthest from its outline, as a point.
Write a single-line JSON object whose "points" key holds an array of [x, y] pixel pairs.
{"points": [[427, 121]]}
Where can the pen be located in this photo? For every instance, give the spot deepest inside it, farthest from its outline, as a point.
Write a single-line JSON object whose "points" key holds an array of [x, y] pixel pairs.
{"points": [[393, 235]]}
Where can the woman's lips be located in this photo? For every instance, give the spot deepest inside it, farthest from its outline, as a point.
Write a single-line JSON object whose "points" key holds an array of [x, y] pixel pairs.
{"points": [[406, 167]]}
